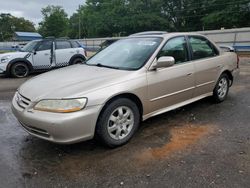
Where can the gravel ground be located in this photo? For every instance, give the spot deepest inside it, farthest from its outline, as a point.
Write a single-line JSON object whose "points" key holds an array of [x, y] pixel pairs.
{"points": [[200, 145]]}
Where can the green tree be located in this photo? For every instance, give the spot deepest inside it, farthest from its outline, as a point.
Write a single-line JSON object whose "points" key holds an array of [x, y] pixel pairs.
{"points": [[100, 18], [76, 20], [9, 24], [227, 14], [55, 22]]}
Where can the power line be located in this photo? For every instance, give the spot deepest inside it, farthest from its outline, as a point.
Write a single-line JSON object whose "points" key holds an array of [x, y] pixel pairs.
{"points": [[215, 5], [240, 1], [228, 4], [200, 15], [189, 4]]}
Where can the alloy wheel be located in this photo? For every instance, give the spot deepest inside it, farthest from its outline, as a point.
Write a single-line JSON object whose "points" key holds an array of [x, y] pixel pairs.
{"points": [[120, 123], [222, 88], [20, 70]]}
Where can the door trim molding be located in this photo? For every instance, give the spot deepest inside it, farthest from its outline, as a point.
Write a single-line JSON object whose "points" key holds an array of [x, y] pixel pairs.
{"points": [[171, 94], [204, 84], [181, 91], [167, 109]]}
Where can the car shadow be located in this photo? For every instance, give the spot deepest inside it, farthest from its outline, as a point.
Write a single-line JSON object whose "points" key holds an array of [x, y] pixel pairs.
{"points": [[4, 76]]}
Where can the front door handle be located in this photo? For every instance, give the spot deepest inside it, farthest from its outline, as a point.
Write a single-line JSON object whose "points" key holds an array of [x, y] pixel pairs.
{"points": [[46, 54], [189, 74]]}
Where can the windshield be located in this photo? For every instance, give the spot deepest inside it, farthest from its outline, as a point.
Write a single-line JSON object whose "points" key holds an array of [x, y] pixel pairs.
{"points": [[30, 46], [126, 54]]}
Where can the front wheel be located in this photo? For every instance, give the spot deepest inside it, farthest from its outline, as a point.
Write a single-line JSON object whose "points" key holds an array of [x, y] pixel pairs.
{"points": [[19, 70], [221, 89], [118, 122], [77, 61]]}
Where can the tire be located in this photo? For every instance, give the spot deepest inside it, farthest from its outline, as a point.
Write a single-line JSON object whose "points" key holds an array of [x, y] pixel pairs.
{"points": [[77, 60], [118, 122], [221, 89], [19, 70]]}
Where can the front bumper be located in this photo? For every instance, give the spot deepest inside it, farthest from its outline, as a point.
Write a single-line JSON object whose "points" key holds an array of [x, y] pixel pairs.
{"points": [[59, 128], [3, 68]]}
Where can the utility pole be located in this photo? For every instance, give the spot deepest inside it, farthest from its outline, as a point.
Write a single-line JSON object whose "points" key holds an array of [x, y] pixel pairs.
{"points": [[79, 13], [13, 30], [2, 35]]}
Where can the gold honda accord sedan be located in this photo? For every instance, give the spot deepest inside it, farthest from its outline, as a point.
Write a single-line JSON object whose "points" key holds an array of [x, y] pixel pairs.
{"points": [[133, 79]]}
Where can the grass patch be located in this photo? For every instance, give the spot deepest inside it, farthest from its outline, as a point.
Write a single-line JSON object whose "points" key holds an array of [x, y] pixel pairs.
{"points": [[4, 51]]}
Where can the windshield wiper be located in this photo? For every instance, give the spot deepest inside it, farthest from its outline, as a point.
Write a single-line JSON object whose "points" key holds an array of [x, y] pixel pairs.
{"points": [[111, 67], [106, 66]]}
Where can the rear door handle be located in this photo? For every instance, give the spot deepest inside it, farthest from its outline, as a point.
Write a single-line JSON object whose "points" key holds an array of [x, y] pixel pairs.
{"points": [[189, 74]]}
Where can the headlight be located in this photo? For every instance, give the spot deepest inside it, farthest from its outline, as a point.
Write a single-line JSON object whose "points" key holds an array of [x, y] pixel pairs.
{"points": [[61, 106], [4, 59]]}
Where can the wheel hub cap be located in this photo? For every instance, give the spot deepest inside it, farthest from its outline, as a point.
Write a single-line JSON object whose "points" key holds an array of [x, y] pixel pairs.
{"points": [[120, 123], [223, 87], [20, 70]]}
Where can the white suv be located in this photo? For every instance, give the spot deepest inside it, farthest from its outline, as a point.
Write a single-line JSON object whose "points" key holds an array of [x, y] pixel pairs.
{"points": [[42, 55]]}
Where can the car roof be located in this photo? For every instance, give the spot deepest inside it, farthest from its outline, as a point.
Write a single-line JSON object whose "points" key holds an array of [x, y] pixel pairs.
{"points": [[150, 33], [166, 35], [56, 39]]}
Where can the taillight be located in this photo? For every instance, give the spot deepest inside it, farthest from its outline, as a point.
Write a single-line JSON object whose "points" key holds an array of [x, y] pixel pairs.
{"points": [[238, 61], [85, 52]]}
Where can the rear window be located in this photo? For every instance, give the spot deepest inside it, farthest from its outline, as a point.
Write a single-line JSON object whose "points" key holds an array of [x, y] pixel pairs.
{"points": [[63, 44]]}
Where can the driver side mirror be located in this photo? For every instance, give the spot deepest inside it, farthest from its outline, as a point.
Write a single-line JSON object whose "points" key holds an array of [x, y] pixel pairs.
{"points": [[164, 62], [34, 52]]}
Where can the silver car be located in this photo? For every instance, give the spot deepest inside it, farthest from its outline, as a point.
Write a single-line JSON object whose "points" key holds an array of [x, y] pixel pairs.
{"points": [[130, 81]]}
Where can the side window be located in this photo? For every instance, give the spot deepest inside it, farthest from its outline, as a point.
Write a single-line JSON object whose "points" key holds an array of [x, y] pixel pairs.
{"points": [[62, 45], [45, 45], [177, 48], [201, 48], [75, 44]]}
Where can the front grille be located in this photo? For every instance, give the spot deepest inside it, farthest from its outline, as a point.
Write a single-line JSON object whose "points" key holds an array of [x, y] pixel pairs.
{"points": [[22, 101]]}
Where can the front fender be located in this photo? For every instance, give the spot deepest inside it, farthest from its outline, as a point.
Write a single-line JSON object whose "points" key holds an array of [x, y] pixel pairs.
{"points": [[136, 87], [18, 60]]}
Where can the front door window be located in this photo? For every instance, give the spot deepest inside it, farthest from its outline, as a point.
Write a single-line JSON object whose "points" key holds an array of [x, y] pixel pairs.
{"points": [[176, 48]]}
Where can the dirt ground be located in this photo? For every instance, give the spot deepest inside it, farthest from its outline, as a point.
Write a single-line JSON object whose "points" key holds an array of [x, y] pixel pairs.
{"points": [[200, 145]]}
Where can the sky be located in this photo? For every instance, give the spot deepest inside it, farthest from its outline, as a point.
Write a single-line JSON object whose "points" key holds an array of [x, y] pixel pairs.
{"points": [[31, 9]]}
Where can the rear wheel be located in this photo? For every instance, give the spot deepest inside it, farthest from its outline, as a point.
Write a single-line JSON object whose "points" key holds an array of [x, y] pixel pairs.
{"points": [[19, 70], [118, 122], [221, 89]]}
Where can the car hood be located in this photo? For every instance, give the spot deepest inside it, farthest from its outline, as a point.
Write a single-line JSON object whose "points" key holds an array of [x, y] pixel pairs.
{"points": [[14, 54], [71, 82]]}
